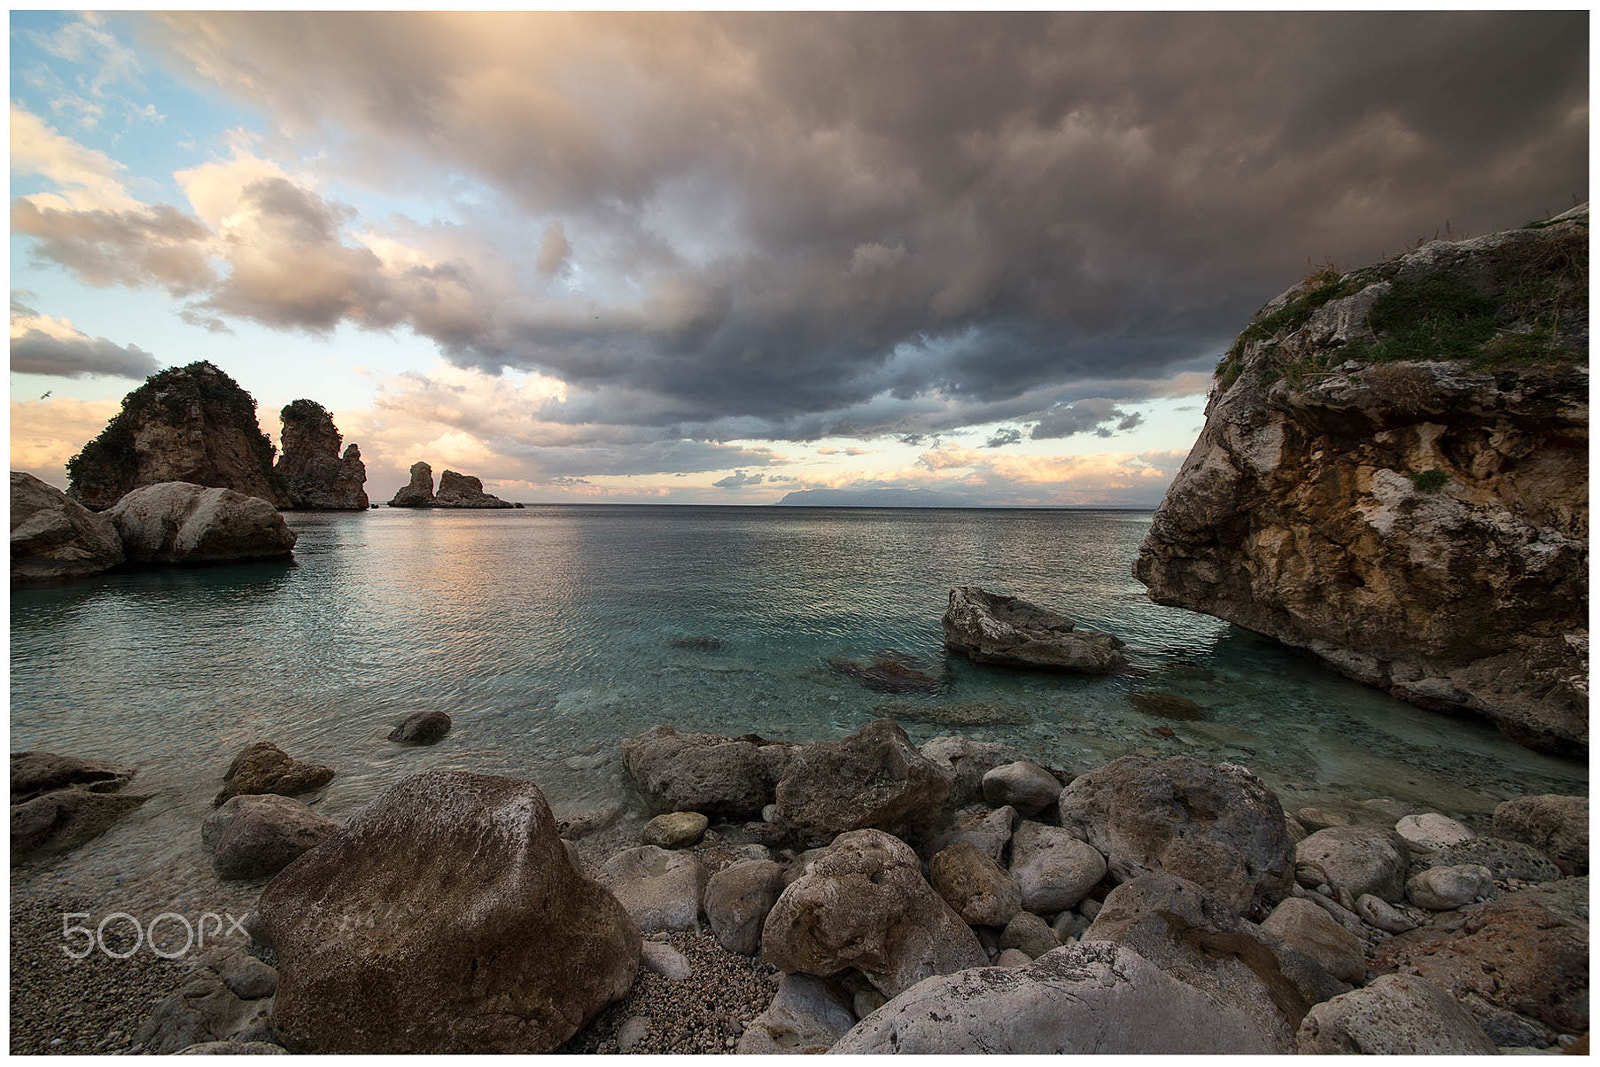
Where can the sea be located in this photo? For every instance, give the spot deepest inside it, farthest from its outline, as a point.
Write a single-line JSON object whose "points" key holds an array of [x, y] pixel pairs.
{"points": [[550, 634]]}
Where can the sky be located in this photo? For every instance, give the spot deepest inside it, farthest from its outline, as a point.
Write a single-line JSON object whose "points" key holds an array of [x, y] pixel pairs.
{"points": [[720, 258]]}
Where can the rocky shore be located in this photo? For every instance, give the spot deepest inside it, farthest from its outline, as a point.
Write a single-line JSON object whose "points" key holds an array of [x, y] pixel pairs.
{"points": [[858, 895]]}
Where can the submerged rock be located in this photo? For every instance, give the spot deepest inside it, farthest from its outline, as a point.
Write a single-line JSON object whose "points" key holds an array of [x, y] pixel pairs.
{"points": [[1166, 705], [1408, 505], [36, 773], [893, 672], [55, 537], [310, 471], [265, 768], [258, 836], [990, 628], [873, 778], [384, 947], [417, 493], [421, 728], [180, 522], [185, 424]]}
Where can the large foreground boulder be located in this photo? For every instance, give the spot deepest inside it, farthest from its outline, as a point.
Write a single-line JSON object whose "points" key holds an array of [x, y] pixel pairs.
{"points": [[990, 628], [54, 536], [875, 778], [1218, 826], [721, 777], [864, 904], [446, 917], [181, 522], [1090, 998]]}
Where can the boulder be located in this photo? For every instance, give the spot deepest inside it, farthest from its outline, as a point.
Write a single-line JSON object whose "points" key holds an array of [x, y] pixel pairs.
{"points": [[1397, 1015], [864, 904], [1166, 705], [418, 492], [676, 829], [1308, 928], [968, 761], [1448, 888], [265, 768], [1519, 964], [185, 424], [257, 836], [1505, 859], [233, 1048], [1431, 831], [990, 628], [979, 890], [875, 778], [1179, 927], [421, 728], [1086, 999], [59, 802], [1053, 869], [35, 773], [893, 672], [227, 995], [660, 890], [55, 537], [737, 901], [181, 522], [1554, 824], [1023, 785], [721, 777], [1381, 915], [988, 831], [384, 946], [463, 491], [1219, 826], [1360, 859], [310, 471], [804, 1016], [1028, 933]]}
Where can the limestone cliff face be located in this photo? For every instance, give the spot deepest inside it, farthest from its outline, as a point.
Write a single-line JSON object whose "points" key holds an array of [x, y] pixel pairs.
{"points": [[185, 424], [1393, 474], [310, 470]]}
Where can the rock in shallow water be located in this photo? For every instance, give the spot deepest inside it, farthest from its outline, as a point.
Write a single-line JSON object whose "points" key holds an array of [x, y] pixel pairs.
{"points": [[180, 522], [385, 946], [421, 728], [60, 802], [991, 628], [55, 537], [265, 768], [257, 836]]}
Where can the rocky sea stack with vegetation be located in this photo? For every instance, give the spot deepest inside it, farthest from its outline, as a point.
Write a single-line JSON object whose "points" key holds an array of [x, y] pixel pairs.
{"points": [[1393, 475]]}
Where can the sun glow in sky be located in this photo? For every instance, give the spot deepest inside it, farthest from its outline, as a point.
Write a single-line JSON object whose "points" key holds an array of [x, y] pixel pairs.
{"points": [[721, 258]]}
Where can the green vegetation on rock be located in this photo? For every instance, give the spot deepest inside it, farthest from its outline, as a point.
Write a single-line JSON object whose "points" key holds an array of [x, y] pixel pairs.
{"points": [[1430, 481]]}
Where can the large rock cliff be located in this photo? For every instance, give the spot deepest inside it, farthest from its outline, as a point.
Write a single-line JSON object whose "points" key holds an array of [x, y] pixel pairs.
{"points": [[310, 470], [1393, 474], [185, 424]]}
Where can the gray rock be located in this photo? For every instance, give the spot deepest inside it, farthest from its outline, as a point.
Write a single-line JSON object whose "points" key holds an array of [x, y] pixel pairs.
{"points": [[1023, 785], [226, 996], [1431, 831], [665, 960], [444, 917], [1314, 819], [676, 829], [1361, 859], [737, 901], [36, 773], [55, 537], [1028, 933], [873, 779], [422, 728], [265, 768], [1380, 914], [721, 777], [1505, 859], [1397, 1015], [633, 1030], [865, 905], [180, 522], [1554, 824], [979, 890], [61, 802], [1090, 998], [257, 836], [233, 1048], [968, 761], [990, 628], [1448, 888], [1218, 826], [804, 1016], [1311, 930], [1012, 958], [1053, 868], [660, 890], [987, 831]]}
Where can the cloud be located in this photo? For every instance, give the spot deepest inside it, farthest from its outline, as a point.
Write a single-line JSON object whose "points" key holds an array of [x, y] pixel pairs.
{"points": [[87, 179], [44, 345], [1094, 415], [1006, 435], [738, 480], [47, 433]]}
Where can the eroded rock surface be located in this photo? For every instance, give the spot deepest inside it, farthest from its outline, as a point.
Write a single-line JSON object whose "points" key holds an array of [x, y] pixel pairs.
{"points": [[310, 470], [181, 522], [418, 492], [874, 778], [257, 836], [464, 491], [721, 777], [991, 628], [55, 537], [1397, 1015], [265, 768]]}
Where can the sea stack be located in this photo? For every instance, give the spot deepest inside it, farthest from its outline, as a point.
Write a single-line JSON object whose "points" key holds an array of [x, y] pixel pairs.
{"points": [[1393, 475], [455, 491], [185, 424], [311, 472]]}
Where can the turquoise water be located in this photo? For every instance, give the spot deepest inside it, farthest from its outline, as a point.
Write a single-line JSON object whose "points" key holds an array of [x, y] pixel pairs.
{"points": [[547, 635]]}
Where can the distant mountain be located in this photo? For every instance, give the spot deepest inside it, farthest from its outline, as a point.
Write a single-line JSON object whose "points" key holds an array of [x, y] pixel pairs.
{"points": [[869, 498]]}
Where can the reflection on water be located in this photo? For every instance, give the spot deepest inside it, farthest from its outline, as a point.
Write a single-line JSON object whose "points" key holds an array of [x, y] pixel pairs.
{"points": [[547, 635]]}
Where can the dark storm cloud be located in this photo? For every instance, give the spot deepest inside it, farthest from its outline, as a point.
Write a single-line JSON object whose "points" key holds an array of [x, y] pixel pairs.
{"points": [[1006, 435], [1095, 415], [79, 356], [738, 480], [862, 223]]}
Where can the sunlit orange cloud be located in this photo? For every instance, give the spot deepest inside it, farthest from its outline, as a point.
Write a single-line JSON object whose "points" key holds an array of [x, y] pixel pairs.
{"points": [[47, 433]]}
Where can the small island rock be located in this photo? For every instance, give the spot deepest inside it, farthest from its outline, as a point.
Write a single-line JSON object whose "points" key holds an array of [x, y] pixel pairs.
{"points": [[990, 628]]}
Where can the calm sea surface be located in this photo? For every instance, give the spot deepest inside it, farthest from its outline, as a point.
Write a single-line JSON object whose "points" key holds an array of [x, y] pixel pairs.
{"points": [[547, 634]]}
